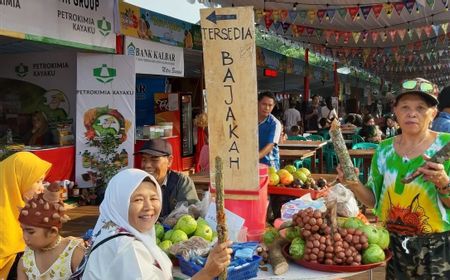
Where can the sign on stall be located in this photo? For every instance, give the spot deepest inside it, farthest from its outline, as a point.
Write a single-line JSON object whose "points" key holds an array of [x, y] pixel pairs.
{"points": [[154, 58], [228, 37], [80, 24], [105, 116]]}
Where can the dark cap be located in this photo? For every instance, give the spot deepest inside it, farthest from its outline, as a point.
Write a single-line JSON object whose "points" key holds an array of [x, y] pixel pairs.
{"points": [[156, 147], [429, 95]]}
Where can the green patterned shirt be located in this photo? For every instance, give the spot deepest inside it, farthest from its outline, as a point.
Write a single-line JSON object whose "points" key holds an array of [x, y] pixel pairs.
{"points": [[414, 208]]}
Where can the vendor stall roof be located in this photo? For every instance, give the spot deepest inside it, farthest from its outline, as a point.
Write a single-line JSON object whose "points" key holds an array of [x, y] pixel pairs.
{"points": [[9, 45]]}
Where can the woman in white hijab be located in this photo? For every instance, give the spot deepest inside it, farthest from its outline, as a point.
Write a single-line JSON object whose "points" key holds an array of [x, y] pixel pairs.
{"points": [[132, 205]]}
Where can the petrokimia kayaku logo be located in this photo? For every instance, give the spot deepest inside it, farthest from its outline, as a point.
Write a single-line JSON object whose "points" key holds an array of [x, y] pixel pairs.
{"points": [[104, 26], [21, 70], [104, 73]]}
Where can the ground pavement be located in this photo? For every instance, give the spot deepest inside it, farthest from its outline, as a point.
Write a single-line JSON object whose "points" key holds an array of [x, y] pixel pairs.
{"points": [[85, 217]]}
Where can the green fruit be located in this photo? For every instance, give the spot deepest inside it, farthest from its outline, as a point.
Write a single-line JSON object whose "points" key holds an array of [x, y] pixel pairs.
{"points": [[292, 233], [205, 231], [158, 241], [383, 240], [290, 168], [165, 246], [371, 232], [373, 254], [274, 179], [306, 171], [300, 175], [270, 235], [272, 169], [297, 248], [200, 221], [214, 235], [178, 236], [186, 223], [168, 234], [353, 222], [159, 229]]}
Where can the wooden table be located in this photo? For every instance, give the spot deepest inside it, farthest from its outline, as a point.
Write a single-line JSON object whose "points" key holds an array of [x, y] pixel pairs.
{"points": [[201, 181], [366, 156], [306, 145], [292, 155]]}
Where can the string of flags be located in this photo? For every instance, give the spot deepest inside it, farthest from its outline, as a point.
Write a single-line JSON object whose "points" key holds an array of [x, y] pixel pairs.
{"points": [[353, 12]]}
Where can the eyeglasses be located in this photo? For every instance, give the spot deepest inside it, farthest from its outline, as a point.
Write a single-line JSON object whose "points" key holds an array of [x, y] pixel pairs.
{"points": [[419, 85]]}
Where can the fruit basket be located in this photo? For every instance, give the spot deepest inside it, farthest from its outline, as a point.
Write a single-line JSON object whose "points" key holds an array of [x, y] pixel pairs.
{"points": [[334, 267], [244, 271]]}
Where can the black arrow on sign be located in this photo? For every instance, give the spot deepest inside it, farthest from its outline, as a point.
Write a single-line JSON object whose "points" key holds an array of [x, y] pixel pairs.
{"points": [[214, 18]]}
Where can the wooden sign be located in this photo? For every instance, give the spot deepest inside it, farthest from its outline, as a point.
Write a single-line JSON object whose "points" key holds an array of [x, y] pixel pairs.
{"points": [[229, 57]]}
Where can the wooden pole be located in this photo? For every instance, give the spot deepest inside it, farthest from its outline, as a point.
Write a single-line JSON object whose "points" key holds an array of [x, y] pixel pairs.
{"points": [[222, 232]]}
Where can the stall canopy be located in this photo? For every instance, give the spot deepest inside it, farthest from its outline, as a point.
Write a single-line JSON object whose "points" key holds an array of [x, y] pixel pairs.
{"points": [[394, 40]]}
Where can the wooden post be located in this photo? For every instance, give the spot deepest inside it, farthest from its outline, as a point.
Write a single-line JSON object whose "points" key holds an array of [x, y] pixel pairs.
{"points": [[229, 55], [222, 231], [306, 78]]}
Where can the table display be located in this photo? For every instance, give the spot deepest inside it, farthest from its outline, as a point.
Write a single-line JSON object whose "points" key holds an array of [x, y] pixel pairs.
{"points": [[306, 145]]}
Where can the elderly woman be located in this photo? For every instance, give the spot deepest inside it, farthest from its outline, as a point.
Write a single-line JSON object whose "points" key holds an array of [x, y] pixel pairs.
{"points": [[21, 176], [417, 213], [131, 207]]}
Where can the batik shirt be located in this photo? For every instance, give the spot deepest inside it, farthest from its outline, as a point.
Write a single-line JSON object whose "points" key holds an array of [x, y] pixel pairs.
{"points": [[414, 208]]}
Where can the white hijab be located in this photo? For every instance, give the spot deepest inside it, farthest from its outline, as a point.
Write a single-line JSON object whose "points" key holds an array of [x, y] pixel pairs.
{"points": [[114, 208]]}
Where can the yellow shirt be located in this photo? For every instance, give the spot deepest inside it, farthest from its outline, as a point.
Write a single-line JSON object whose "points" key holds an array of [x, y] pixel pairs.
{"points": [[18, 173]]}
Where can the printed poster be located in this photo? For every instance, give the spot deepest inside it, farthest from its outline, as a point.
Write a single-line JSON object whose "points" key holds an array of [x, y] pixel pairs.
{"points": [[81, 24], [105, 114]]}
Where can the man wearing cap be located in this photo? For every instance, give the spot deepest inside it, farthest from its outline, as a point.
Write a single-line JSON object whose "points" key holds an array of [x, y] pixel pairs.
{"points": [[157, 159], [442, 122]]}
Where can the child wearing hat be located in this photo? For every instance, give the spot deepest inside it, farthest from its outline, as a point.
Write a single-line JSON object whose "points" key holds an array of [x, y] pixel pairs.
{"points": [[47, 255]]}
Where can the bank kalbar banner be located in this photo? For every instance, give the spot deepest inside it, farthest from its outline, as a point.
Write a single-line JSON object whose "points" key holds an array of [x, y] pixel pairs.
{"points": [[105, 117], [83, 24], [155, 58]]}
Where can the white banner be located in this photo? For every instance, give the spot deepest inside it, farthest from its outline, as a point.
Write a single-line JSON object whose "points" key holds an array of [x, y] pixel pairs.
{"points": [[83, 24], [44, 82], [154, 58], [105, 116]]}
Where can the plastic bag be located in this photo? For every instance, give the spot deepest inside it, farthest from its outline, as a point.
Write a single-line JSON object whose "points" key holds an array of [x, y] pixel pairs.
{"points": [[194, 246], [346, 202], [196, 210], [180, 209], [293, 206]]}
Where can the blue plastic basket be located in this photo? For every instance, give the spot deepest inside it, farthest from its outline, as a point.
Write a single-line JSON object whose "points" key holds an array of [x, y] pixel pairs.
{"points": [[242, 272]]}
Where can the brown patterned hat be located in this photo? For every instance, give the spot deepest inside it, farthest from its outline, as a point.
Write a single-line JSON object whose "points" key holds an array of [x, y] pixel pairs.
{"points": [[44, 210]]}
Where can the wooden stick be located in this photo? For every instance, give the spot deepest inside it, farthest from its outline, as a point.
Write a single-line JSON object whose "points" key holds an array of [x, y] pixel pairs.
{"points": [[222, 231], [342, 152]]}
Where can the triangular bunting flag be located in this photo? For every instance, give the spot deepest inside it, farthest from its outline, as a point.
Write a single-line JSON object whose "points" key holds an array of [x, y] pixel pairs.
{"points": [[319, 33], [409, 4], [445, 2], [284, 15], [428, 30], [392, 34], [311, 15], [309, 31], [432, 42], [388, 8], [328, 33], [300, 29], [383, 36], [353, 11], [356, 36], [440, 52], [428, 56], [346, 37], [399, 7], [330, 14], [276, 15], [336, 36], [302, 14], [410, 33], [294, 30], [418, 45], [365, 34], [365, 10], [276, 25], [285, 26], [444, 27], [419, 32], [342, 12], [268, 22], [401, 33], [436, 28], [292, 16], [374, 36], [259, 14], [441, 38], [377, 10], [321, 14], [430, 3]]}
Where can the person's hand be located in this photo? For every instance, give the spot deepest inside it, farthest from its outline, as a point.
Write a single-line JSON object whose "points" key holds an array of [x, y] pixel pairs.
{"points": [[219, 258], [340, 178], [435, 173]]}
